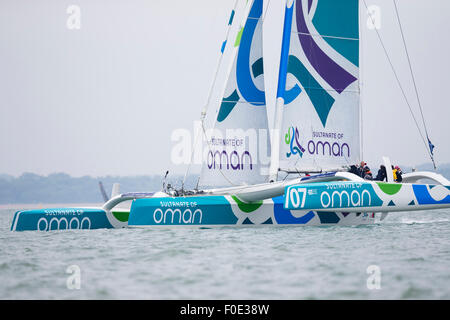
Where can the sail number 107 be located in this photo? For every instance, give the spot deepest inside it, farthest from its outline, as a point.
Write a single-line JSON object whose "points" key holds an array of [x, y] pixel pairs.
{"points": [[295, 196]]}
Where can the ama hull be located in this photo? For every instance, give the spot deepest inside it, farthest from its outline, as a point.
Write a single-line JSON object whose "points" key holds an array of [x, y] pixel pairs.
{"points": [[68, 219], [210, 211]]}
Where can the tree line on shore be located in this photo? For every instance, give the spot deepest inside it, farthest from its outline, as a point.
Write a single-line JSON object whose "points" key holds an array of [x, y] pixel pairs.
{"points": [[63, 188]]}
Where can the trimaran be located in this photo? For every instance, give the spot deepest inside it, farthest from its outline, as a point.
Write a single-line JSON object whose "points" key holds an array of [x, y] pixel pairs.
{"points": [[316, 135]]}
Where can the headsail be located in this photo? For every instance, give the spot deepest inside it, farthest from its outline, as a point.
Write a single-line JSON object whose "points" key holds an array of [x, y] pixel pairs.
{"points": [[238, 148], [318, 93]]}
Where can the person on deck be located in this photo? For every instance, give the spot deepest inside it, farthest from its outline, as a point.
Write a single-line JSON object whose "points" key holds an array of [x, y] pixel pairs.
{"points": [[398, 174], [394, 173], [354, 170], [382, 174], [362, 169], [368, 174]]}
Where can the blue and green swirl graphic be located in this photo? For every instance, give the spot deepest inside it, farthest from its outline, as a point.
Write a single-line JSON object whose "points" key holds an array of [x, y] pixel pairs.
{"points": [[290, 138]]}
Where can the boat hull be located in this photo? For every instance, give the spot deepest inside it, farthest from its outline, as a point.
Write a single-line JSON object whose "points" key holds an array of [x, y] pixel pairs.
{"points": [[367, 196], [210, 211], [68, 219]]}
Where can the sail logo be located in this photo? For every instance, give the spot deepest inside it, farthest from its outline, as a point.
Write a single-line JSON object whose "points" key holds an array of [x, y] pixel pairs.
{"points": [[247, 69], [326, 148], [221, 160], [290, 138], [230, 157], [316, 147], [177, 216], [245, 74], [319, 73]]}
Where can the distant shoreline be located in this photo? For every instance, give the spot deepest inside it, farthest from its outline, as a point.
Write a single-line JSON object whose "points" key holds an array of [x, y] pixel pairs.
{"points": [[60, 188], [28, 206]]}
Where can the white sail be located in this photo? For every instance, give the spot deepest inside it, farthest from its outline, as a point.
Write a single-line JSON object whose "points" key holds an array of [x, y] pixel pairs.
{"points": [[318, 92], [238, 149]]}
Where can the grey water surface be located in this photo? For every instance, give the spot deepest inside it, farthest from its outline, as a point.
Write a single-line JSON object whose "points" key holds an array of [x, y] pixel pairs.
{"points": [[406, 256]]}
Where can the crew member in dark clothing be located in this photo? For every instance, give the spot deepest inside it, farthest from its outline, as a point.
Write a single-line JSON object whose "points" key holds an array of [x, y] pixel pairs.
{"points": [[381, 175], [368, 174], [399, 174], [354, 170]]}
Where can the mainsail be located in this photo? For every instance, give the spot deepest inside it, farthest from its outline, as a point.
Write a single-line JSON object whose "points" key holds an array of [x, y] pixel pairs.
{"points": [[318, 91], [238, 148]]}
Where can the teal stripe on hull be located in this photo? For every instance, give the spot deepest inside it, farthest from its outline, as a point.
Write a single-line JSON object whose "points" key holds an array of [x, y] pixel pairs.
{"points": [[225, 211], [182, 211], [60, 219]]}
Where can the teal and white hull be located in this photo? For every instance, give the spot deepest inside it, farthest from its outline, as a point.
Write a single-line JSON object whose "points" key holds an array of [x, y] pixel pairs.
{"points": [[211, 211], [203, 211], [53, 219]]}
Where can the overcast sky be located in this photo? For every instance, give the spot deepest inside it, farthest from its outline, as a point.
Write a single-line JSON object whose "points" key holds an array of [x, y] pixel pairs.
{"points": [[104, 99]]}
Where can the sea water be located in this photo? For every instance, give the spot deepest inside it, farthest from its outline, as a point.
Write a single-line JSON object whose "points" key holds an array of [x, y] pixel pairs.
{"points": [[405, 256]]}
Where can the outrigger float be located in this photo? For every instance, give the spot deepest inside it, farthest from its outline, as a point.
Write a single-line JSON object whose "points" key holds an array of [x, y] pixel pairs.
{"points": [[317, 110]]}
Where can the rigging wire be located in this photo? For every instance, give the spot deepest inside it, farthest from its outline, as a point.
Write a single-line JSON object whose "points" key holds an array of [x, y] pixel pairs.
{"points": [[399, 83], [413, 78]]}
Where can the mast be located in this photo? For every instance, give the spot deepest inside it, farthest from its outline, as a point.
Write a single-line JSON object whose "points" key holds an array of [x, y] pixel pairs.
{"points": [[278, 118]]}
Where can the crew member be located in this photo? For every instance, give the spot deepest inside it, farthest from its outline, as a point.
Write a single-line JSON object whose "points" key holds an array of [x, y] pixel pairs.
{"points": [[398, 173], [381, 175], [368, 174], [362, 169], [354, 170]]}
